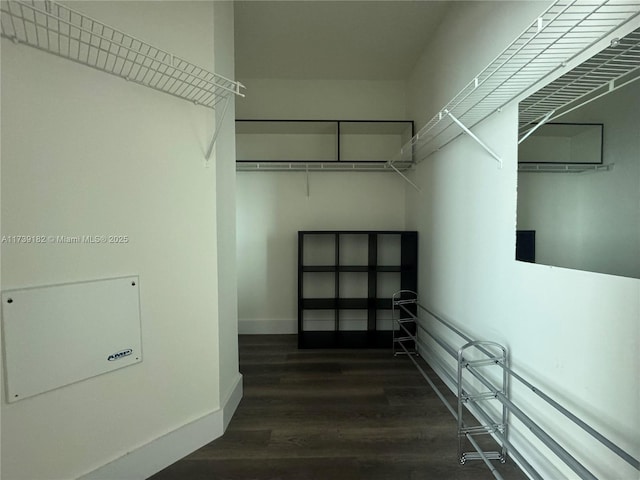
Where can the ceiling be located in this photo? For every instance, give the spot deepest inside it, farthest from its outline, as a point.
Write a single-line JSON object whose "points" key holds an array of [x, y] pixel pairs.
{"points": [[342, 40]]}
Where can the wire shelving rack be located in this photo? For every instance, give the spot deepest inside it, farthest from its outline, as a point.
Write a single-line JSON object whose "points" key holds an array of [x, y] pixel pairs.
{"points": [[68, 33], [614, 67], [562, 32]]}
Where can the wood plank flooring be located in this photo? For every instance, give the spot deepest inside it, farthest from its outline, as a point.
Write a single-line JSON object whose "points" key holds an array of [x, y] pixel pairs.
{"points": [[332, 415]]}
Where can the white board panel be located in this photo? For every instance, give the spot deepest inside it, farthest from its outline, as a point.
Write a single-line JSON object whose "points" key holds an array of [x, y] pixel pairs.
{"points": [[60, 334]]}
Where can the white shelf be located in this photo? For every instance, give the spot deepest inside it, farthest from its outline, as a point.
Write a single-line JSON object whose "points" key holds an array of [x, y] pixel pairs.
{"points": [[563, 168], [611, 69], [319, 145], [67, 33], [333, 166], [563, 31]]}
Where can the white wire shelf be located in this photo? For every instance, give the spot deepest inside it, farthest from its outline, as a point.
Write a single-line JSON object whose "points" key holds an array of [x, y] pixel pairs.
{"points": [[62, 31], [611, 69], [563, 168], [273, 166], [563, 31]]}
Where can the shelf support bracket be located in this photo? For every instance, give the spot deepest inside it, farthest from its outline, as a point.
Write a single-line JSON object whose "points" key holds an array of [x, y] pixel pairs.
{"points": [[536, 127], [216, 132], [475, 137], [404, 177]]}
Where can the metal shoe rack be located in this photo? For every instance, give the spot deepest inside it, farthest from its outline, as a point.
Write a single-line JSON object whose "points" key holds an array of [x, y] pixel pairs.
{"points": [[472, 357], [482, 383], [64, 32], [490, 354]]}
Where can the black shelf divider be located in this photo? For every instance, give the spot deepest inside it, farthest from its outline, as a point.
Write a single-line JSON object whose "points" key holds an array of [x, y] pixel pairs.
{"points": [[334, 331]]}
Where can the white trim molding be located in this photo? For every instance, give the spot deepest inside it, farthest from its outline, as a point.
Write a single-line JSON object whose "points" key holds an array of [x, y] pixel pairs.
{"points": [[158, 454], [267, 326]]}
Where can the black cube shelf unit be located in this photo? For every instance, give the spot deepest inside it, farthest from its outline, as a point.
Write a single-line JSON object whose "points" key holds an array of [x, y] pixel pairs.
{"points": [[345, 283]]}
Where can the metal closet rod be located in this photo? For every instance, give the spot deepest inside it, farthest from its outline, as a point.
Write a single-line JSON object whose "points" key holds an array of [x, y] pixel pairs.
{"points": [[479, 411], [513, 451], [521, 416], [443, 399], [586, 427]]}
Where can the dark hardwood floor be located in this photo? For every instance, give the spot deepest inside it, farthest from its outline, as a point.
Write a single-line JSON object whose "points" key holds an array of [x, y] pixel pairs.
{"points": [[332, 415]]}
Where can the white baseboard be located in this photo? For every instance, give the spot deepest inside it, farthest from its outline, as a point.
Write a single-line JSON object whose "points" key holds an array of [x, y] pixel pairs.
{"points": [[158, 454], [267, 326], [231, 403]]}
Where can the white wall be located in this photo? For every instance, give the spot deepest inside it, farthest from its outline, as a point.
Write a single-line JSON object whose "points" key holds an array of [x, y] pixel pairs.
{"points": [[87, 153], [574, 334], [591, 221], [322, 99], [225, 164], [273, 206]]}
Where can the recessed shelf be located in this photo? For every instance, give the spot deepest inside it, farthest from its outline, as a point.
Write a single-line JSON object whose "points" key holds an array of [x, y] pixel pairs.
{"points": [[319, 145], [287, 140], [372, 141], [563, 143]]}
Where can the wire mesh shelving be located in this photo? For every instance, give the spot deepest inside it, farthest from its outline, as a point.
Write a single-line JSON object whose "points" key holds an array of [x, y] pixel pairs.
{"points": [[68, 33]]}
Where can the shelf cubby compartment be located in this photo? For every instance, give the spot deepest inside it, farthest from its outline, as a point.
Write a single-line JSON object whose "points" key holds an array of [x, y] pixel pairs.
{"points": [[366, 141], [294, 140], [319, 285], [389, 250], [319, 251], [387, 283], [319, 320], [352, 284], [353, 320], [353, 249]]}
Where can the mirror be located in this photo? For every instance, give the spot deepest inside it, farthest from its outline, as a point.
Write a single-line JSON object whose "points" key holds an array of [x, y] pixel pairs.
{"points": [[579, 184], [563, 144]]}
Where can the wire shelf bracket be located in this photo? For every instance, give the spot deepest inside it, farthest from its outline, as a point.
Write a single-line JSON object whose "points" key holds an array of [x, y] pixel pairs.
{"points": [[537, 126], [217, 129], [405, 178], [57, 29], [474, 136]]}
